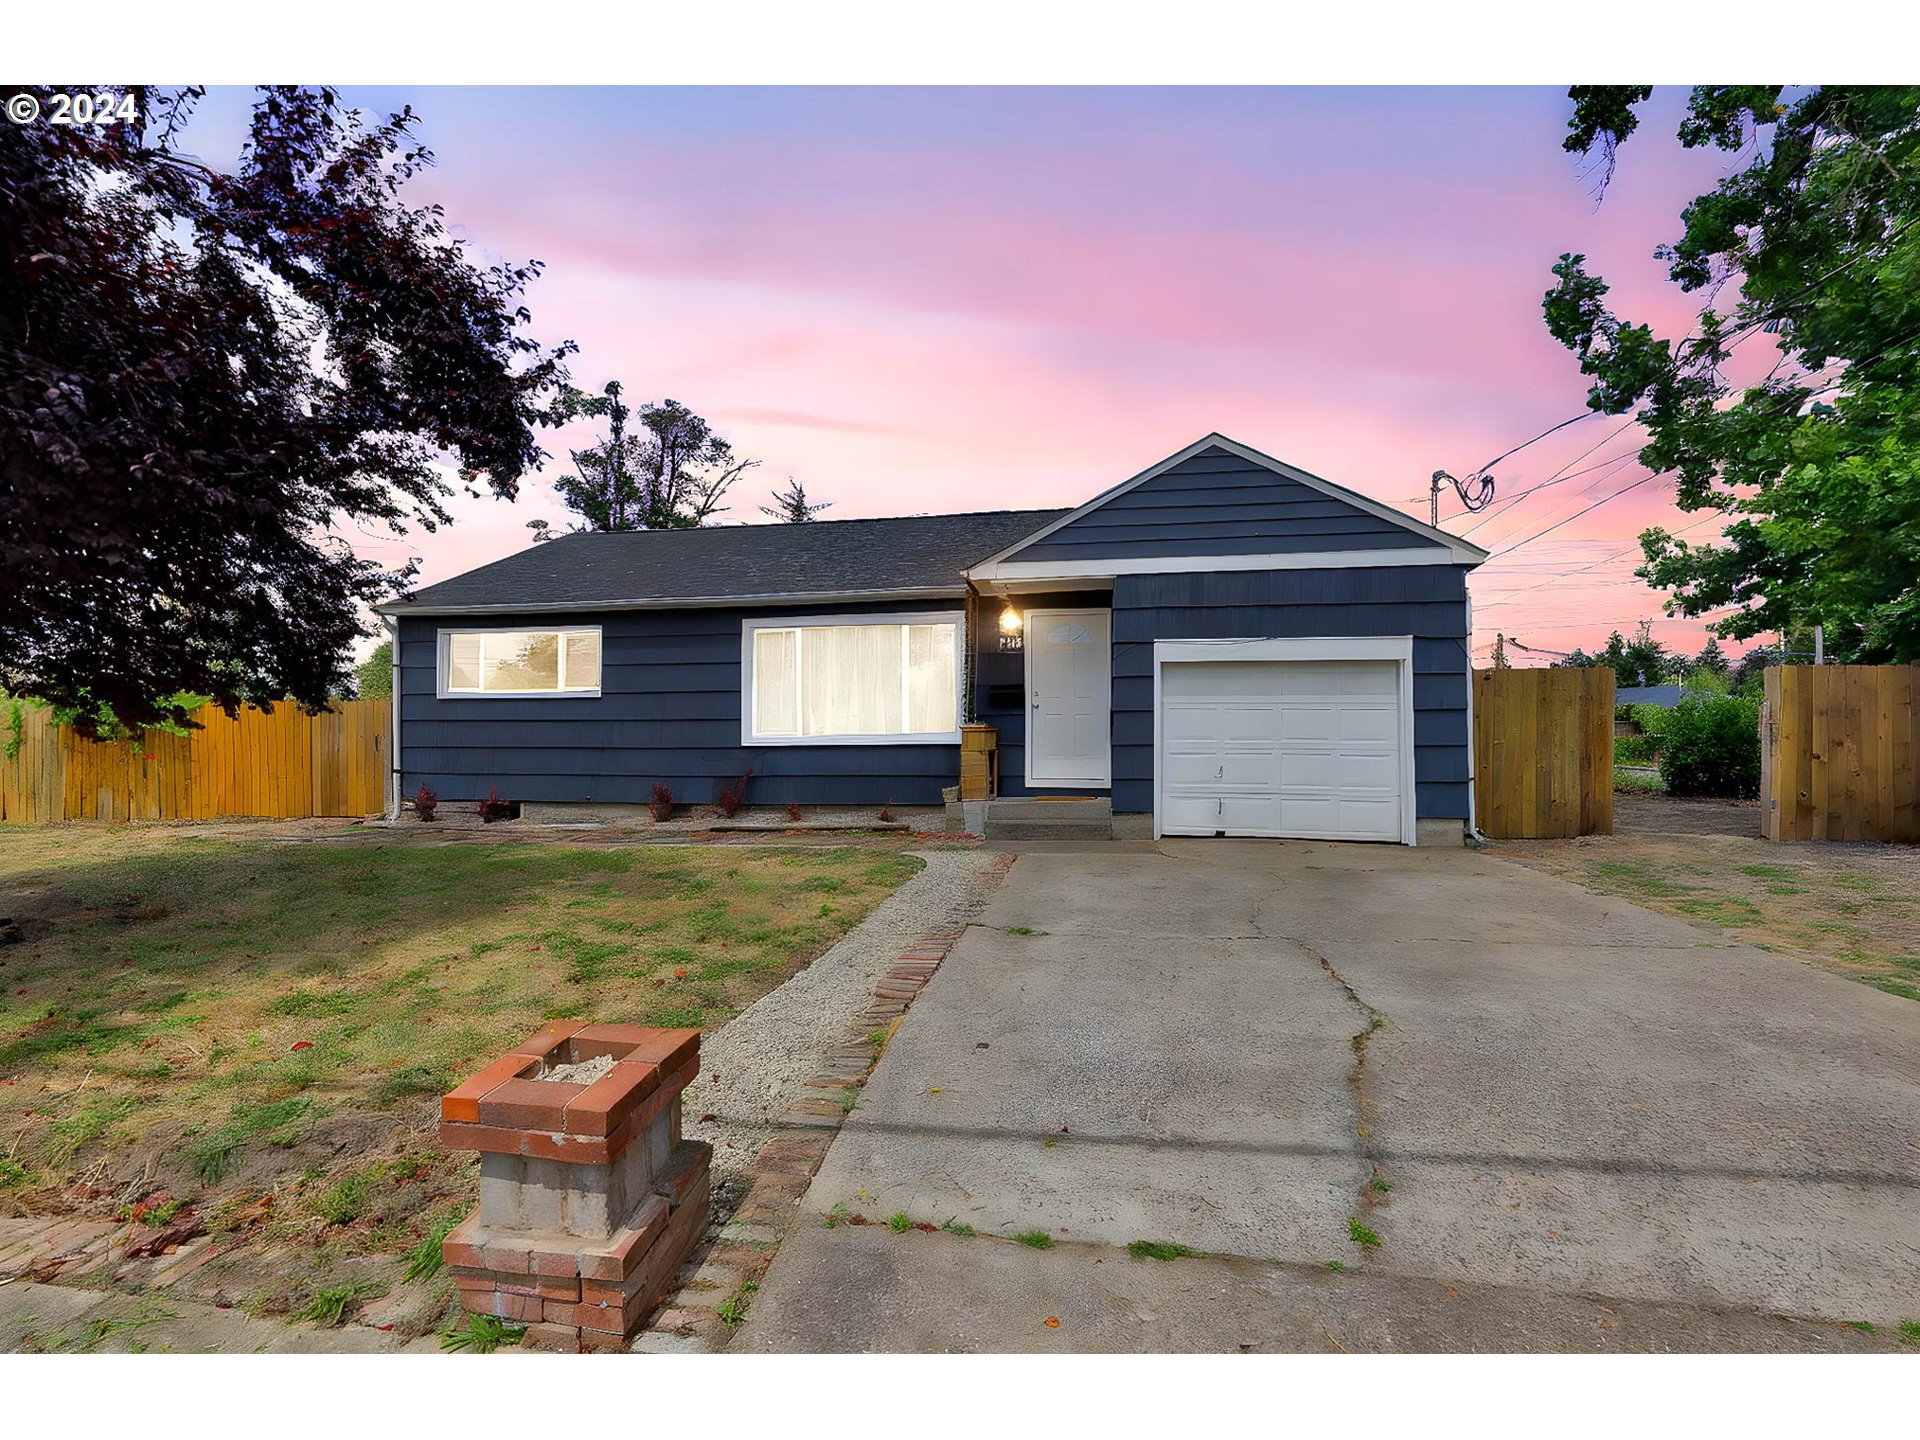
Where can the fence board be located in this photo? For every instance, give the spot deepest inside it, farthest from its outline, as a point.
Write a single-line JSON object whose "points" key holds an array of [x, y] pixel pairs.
{"points": [[1838, 750], [1543, 752], [280, 764]]}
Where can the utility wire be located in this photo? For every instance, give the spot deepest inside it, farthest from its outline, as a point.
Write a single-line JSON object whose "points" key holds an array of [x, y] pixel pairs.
{"points": [[1587, 510], [1730, 343], [1595, 565], [1565, 472]]}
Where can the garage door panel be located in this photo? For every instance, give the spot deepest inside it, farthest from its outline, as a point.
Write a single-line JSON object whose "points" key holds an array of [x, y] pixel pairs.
{"points": [[1381, 725], [1278, 748], [1356, 774]]}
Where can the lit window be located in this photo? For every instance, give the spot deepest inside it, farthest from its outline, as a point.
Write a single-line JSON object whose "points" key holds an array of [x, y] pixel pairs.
{"points": [[520, 662], [853, 680]]}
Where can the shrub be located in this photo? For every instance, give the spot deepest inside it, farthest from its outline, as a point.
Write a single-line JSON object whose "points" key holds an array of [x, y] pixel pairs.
{"points": [[1635, 749], [493, 807], [793, 810], [886, 813], [732, 797], [426, 802], [1710, 745], [660, 806]]}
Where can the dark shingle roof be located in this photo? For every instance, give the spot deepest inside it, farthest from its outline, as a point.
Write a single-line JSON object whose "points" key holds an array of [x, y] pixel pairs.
{"points": [[735, 563]]}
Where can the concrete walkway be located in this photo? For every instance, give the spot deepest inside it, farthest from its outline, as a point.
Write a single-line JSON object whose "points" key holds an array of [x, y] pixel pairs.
{"points": [[1236, 1045]]}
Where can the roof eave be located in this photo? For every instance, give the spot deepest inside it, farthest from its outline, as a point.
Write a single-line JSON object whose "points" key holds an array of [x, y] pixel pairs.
{"points": [[404, 607]]}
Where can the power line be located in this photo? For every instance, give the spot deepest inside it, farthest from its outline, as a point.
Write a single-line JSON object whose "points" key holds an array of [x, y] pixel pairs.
{"points": [[1587, 510], [1553, 479], [1550, 430], [1607, 560], [1729, 344]]}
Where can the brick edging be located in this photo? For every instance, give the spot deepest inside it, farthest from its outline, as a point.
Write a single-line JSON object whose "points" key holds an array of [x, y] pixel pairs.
{"points": [[780, 1173]]}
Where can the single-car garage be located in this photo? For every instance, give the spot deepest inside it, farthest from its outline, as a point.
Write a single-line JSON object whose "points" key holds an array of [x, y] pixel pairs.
{"points": [[1297, 738]]}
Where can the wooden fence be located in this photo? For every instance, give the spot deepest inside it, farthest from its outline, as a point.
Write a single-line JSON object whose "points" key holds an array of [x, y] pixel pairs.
{"points": [[1543, 752], [1840, 753], [281, 765]]}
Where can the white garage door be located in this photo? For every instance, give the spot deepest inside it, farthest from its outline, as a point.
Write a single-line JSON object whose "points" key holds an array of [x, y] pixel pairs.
{"points": [[1302, 748]]}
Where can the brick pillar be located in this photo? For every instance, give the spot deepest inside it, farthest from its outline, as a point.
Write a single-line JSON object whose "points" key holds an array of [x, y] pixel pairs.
{"points": [[590, 1199]]}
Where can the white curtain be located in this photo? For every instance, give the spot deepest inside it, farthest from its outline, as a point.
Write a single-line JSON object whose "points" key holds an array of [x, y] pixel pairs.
{"points": [[776, 675], [463, 661], [831, 680], [583, 660]]}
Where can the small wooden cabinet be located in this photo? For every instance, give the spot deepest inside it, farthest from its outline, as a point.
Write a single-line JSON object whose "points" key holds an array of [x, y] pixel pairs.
{"points": [[979, 762]]}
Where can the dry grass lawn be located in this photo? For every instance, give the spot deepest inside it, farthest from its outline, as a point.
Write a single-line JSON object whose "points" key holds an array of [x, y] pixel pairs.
{"points": [[245, 1028], [1854, 909]]}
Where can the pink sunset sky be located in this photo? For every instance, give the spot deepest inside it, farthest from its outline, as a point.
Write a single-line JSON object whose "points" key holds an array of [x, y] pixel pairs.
{"points": [[942, 299]]}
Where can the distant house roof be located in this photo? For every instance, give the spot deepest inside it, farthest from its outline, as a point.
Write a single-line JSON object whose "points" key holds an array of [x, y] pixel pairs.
{"points": [[1666, 696], [912, 556]]}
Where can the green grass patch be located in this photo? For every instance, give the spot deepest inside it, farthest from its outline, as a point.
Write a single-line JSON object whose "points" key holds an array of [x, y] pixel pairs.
{"points": [[733, 1310], [1361, 1235], [1034, 1239], [1160, 1250], [900, 1222], [480, 1334], [958, 1227], [215, 1155], [330, 1306]]}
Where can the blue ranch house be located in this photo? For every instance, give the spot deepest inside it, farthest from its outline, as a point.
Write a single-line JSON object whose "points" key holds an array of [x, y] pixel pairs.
{"points": [[1221, 645]]}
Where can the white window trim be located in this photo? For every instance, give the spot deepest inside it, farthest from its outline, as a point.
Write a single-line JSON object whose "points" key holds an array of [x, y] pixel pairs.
{"points": [[750, 628], [442, 667], [1398, 648]]}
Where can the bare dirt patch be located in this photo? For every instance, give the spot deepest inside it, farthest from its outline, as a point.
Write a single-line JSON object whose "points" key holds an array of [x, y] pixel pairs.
{"points": [[1850, 908]]}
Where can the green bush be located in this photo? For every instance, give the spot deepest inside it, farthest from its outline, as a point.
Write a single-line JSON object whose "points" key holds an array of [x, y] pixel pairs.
{"points": [[1635, 749], [1710, 745]]}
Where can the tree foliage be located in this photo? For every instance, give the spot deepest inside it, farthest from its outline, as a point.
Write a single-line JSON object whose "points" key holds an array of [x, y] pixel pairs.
{"points": [[204, 373], [791, 506], [373, 676], [1641, 660], [670, 474], [1815, 234]]}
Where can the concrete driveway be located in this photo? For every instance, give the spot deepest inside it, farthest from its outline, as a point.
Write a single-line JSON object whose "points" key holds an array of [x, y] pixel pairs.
{"points": [[1245, 1047]]}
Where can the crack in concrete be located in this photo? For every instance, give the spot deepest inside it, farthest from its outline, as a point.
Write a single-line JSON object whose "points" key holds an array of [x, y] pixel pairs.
{"points": [[1376, 1183]]}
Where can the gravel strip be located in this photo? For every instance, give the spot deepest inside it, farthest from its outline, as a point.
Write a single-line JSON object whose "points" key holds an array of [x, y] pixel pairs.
{"points": [[758, 1061]]}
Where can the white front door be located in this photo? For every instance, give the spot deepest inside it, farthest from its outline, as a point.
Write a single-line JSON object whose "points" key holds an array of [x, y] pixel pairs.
{"points": [[1069, 697]]}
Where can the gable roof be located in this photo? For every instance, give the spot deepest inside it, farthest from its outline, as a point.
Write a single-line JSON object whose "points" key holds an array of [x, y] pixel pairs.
{"points": [[1419, 535], [913, 556]]}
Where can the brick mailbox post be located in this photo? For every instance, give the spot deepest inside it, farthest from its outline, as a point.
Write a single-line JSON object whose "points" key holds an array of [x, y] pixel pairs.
{"points": [[590, 1200]]}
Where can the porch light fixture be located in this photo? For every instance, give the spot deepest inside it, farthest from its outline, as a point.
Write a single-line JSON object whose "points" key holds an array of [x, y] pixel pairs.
{"points": [[1010, 621]]}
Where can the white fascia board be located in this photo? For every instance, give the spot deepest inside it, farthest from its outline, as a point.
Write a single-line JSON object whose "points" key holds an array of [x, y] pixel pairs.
{"points": [[401, 609], [1470, 554], [1011, 571]]}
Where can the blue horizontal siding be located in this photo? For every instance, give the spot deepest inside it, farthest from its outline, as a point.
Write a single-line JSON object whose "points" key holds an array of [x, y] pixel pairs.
{"points": [[668, 712], [1427, 602], [1216, 503]]}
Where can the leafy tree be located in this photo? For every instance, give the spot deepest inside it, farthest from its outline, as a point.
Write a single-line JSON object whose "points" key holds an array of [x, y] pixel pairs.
{"points": [[790, 506], [374, 675], [1713, 659], [1816, 465], [1642, 660], [670, 475], [204, 372]]}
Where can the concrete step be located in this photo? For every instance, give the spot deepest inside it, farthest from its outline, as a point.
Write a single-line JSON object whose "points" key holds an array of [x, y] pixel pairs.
{"points": [[1050, 819]]}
